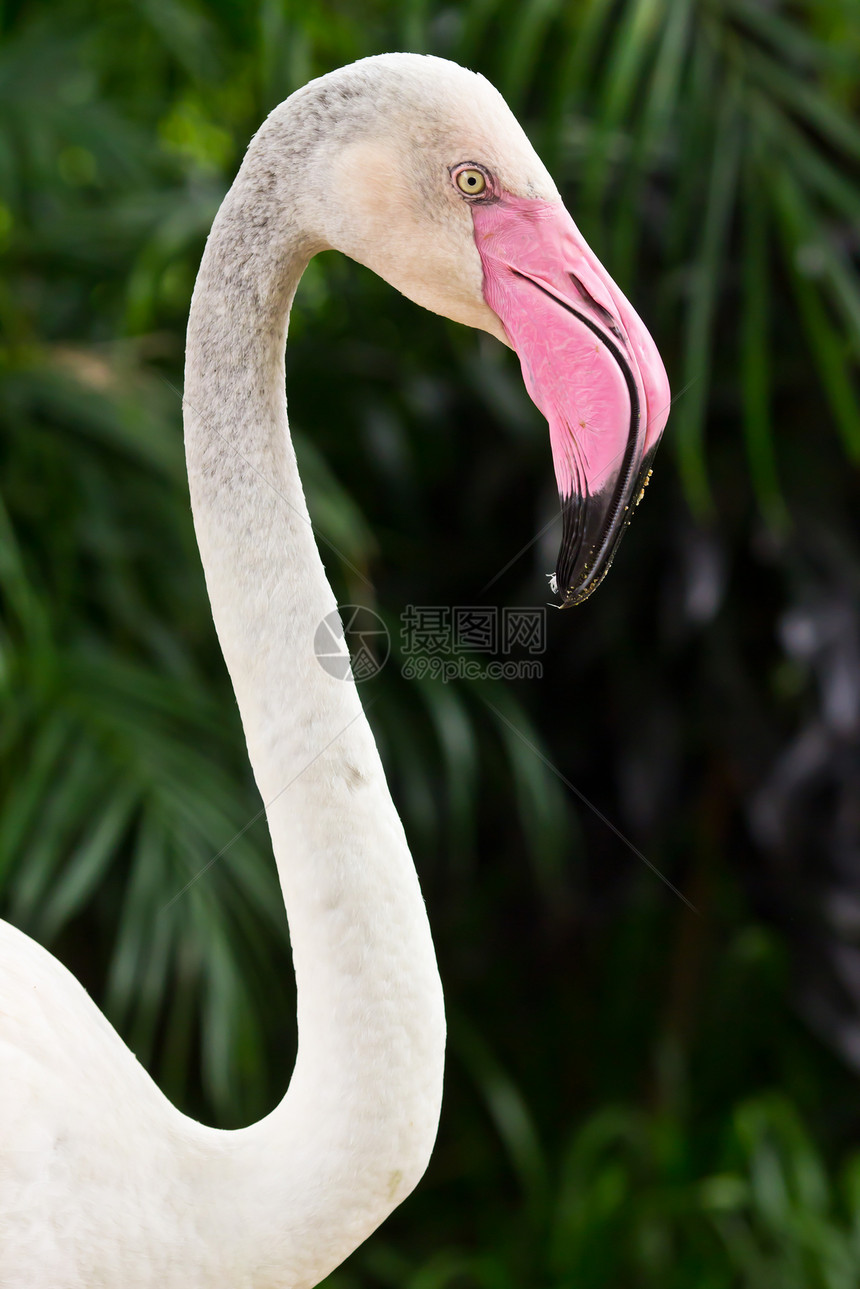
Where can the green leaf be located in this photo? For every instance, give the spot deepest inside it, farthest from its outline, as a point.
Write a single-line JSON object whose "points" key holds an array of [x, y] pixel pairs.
{"points": [[689, 420], [756, 356]]}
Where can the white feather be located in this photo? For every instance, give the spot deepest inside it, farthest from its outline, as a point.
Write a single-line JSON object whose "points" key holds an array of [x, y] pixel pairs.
{"points": [[102, 1181]]}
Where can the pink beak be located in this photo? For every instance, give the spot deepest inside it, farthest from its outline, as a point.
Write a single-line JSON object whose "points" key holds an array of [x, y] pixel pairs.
{"points": [[589, 364]]}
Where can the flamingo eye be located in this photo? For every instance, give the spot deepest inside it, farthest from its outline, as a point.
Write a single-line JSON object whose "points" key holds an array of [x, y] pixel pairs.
{"points": [[470, 181]]}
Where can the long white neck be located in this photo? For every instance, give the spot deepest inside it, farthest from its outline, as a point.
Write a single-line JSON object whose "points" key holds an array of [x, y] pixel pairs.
{"points": [[353, 1133]]}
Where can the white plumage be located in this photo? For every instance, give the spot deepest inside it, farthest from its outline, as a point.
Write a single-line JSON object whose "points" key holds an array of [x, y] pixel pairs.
{"points": [[102, 1182]]}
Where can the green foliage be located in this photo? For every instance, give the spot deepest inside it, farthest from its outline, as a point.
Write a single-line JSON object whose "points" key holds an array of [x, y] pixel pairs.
{"points": [[628, 1206], [631, 1100]]}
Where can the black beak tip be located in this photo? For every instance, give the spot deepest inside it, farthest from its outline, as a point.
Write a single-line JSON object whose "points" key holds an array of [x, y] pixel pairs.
{"points": [[582, 587], [592, 528], [580, 591]]}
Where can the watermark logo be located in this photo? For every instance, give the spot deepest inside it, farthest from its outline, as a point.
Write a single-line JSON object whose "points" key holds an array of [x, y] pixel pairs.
{"points": [[464, 641], [437, 642], [352, 643]]}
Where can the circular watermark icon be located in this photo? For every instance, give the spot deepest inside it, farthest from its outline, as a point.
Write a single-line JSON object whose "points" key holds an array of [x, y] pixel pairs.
{"points": [[352, 643]]}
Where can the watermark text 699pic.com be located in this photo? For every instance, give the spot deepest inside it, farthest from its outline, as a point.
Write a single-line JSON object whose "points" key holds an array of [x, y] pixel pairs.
{"points": [[437, 642]]}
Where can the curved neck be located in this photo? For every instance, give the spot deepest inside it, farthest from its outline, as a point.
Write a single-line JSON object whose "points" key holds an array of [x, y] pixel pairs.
{"points": [[354, 1131]]}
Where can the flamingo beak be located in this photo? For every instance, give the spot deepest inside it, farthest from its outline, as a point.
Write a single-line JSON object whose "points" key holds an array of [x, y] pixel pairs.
{"points": [[589, 364]]}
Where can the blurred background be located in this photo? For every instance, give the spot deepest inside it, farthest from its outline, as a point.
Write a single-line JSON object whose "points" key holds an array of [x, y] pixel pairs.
{"points": [[643, 1089]]}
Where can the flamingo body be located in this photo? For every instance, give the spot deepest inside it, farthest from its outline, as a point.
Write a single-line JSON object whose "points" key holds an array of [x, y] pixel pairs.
{"points": [[103, 1183]]}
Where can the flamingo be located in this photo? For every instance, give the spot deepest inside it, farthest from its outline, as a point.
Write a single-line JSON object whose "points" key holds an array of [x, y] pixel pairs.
{"points": [[416, 168]]}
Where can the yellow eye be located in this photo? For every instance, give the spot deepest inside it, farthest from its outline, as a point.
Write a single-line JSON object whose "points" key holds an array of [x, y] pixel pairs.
{"points": [[471, 182]]}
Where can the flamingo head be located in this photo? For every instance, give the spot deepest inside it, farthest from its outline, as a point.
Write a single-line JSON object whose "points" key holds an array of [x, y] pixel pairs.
{"points": [[422, 173]]}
